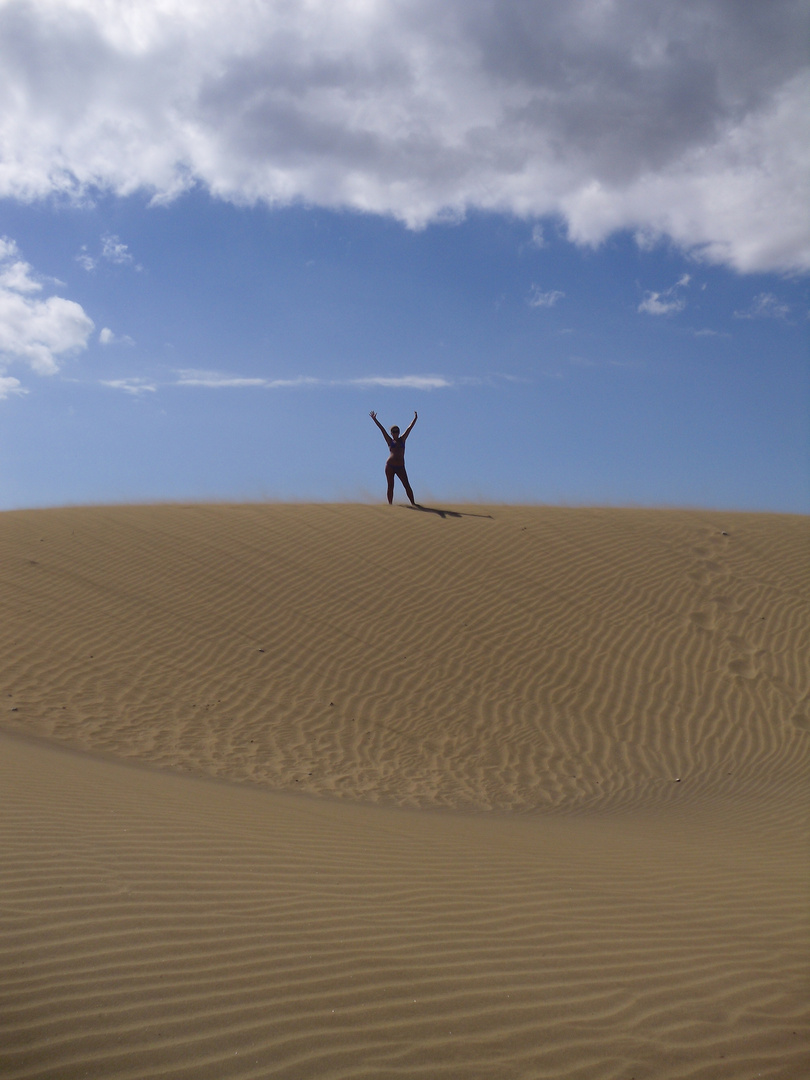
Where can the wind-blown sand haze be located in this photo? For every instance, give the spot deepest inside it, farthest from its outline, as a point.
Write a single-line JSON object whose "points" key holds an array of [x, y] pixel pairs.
{"points": [[356, 791]]}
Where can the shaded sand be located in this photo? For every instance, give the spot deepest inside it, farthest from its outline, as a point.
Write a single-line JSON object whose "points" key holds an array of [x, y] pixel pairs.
{"points": [[586, 733]]}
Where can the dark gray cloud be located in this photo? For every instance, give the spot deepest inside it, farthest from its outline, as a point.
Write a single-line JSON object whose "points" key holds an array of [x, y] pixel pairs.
{"points": [[688, 120]]}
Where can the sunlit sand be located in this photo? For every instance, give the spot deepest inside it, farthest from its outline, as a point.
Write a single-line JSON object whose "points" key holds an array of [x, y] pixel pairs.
{"points": [[369, 791]]}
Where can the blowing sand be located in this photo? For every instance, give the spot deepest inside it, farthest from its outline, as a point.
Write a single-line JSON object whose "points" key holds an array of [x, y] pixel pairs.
{"points": [[352, 791]]}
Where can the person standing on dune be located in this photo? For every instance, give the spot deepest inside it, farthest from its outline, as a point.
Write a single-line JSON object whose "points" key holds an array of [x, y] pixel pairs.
{"points": [[395, 466]]}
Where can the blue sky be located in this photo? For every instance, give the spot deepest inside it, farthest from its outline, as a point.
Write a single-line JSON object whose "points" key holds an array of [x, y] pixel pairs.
{"points": [[603, 303]]}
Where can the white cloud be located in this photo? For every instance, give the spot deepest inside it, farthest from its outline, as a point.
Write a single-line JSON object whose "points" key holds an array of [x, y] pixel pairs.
{"points": [[37, 332], [667, 302], [16, 276], [538, 236], [9, 385], [112, 251], [539, 298], [689, 121], [217, 380], [765, 306], [133, 386], [657, 304], [401, 382], [86, 260], [107, 337]]}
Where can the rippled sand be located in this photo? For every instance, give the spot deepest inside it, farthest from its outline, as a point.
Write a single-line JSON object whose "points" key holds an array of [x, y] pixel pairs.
{"points": [[349, 791]]}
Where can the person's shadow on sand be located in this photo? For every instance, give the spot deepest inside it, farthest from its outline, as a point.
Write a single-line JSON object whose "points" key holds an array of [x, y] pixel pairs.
{"points": [[443, 513]]}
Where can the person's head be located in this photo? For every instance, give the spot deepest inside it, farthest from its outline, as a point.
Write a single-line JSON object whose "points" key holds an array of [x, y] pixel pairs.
{"points": [[395, 431]]}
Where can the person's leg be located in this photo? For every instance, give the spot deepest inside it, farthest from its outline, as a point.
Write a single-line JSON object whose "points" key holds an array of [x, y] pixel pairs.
{"points": [[404, 478], [389, 476]]}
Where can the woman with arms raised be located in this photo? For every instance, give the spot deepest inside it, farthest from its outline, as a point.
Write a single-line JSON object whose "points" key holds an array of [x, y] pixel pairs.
{"points": [[395, 466]]}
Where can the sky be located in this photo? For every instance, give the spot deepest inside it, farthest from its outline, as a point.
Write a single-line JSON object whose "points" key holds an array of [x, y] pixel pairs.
{"points": [[574, 237]]}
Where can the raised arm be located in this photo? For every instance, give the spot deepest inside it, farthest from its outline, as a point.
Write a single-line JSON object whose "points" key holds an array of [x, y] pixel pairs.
{"points": [[409, 428], [386, 436]]}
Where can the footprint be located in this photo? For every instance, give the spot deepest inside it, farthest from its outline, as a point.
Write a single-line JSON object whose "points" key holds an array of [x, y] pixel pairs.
{"points": [[727, 604], [744, 666], [703, 620], [737, 642], [700, 577], [714, 567], [801, 717]]}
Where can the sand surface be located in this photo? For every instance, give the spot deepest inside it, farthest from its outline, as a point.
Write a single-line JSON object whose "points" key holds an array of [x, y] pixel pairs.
{"points": [[354, 791]]}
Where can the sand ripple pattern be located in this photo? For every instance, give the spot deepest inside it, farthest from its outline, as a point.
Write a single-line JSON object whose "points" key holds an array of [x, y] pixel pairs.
{"points": [[494, 659], [153, 925]]}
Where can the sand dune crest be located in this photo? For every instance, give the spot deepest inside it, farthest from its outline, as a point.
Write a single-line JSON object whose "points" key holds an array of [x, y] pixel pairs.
{"points": [[535, 658]]}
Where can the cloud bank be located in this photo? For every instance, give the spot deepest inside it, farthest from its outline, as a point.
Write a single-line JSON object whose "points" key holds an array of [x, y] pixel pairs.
{"points": [[39, 333], [688, 121]]}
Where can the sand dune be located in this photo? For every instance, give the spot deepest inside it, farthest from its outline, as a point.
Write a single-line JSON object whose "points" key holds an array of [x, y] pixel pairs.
{"points": [[586, 734]]}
